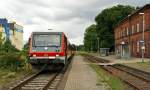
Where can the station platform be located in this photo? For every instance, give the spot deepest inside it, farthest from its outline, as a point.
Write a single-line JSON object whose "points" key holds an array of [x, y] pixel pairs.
{"points": [[83, 77], [114, 60]]}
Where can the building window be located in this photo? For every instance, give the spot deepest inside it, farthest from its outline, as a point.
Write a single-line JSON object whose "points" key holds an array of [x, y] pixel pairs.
{"points": [[132, 29], [138, 27], [127, 31], [124, 32], [135, 29], [138, 47]]}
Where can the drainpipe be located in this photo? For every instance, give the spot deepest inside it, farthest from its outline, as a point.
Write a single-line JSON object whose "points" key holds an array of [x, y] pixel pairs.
{"points": [[129, 35]]}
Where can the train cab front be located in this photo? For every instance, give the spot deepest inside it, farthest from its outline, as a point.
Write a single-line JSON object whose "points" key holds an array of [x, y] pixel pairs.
{"points": [[46, 58], [46, 48]]}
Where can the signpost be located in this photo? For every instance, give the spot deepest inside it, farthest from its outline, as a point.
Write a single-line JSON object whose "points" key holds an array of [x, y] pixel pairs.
{"points": [[143, 48]]}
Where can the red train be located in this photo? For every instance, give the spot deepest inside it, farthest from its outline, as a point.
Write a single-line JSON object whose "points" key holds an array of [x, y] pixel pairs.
{"points": [[52, 48]]}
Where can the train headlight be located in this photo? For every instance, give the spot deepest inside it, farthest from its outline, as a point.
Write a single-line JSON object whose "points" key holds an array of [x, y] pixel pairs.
{"points": [[34, 55], [57, 55]]}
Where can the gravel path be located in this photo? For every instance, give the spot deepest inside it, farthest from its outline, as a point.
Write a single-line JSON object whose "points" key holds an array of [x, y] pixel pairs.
{"points": [[82, 77]]}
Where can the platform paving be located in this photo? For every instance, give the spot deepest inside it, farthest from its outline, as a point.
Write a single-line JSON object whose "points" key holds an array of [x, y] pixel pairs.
{"points": [[83, 77]]}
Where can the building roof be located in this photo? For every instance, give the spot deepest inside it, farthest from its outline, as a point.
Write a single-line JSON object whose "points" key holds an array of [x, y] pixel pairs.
{"points": [[45, 32], [133, 13]]}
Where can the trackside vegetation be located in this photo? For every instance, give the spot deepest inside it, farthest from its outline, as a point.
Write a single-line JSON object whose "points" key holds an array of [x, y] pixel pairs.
{"points": [[114, 82], [12, 62], [11, 58]]}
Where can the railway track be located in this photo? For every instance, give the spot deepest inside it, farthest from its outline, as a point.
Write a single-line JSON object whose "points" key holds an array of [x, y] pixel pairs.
{"points": [[39, 81], [95, 59], [136, 79], [135, 72], [42, 80]]}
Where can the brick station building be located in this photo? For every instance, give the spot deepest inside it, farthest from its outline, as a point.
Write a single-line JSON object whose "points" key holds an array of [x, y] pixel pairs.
{"points": [[129, 34]]}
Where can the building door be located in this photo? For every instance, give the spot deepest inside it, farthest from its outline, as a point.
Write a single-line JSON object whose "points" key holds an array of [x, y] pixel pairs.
{"points": [[125, 51]]}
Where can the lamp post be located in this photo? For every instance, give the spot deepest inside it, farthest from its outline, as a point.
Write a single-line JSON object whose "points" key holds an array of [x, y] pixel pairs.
{"points": [[143, 43]]}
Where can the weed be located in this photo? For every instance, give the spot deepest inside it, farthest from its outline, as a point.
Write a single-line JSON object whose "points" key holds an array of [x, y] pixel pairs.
{"points": [[113, 82]]}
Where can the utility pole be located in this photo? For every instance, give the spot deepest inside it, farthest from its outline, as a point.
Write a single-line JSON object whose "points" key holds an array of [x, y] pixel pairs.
{"points": [[143, 43]]}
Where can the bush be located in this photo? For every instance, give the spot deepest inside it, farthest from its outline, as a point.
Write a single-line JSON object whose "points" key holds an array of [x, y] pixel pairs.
{"points": [[7, 47], [10, 57], [2, 53], [11, 61]]}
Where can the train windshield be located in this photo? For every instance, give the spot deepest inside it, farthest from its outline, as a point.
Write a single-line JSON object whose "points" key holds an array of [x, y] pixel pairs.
{"points": [[46, 40]]}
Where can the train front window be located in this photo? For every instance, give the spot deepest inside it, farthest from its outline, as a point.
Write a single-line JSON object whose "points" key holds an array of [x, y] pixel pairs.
{"points": [[46, 40]]}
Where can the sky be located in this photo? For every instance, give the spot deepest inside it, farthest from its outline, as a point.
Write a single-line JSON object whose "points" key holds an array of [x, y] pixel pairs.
{"points": [[69, 16]]}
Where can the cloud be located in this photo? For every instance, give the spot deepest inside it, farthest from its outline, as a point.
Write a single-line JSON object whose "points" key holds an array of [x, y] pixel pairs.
{"points": [[69, 16]]}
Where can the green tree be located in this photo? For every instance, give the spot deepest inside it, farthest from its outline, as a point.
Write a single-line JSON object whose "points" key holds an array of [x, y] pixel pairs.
{"points": [[80, 47], [1, 43], [90, 38], [1, 39], [26, 46], [107, 20], [73, 46], [8, 47]]}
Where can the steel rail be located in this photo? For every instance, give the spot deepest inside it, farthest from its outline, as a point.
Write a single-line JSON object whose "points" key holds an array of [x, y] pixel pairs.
{"points": [[135, 72]]}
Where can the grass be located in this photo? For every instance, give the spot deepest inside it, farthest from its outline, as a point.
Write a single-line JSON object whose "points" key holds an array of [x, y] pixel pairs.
{"points": [[7, 76], [81, 53], [114, 82], [140, 65], [144, 63], [13, 67]]}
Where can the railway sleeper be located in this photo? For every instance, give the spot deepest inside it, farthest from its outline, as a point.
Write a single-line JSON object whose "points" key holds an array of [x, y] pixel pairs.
{"points": [[30, 88], [40, 81], [36, 83]]}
